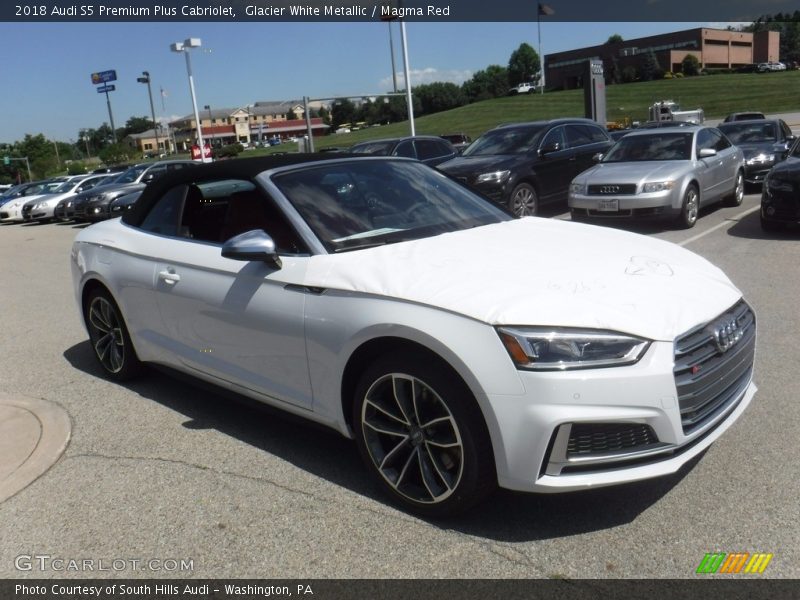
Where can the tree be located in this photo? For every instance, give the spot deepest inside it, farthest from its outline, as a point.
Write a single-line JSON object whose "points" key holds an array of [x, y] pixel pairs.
{"points": [[324, 114], [137, 125], [438, 96], [118, 153], [343, 111], [291, 115], [614, 39], [629, 74], [651, 69], [522, 66], [690, 65], [491, 82]]}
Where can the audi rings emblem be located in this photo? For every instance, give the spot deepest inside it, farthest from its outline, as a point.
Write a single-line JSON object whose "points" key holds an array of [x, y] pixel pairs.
{"points": [[727, 334], [609, 189]]}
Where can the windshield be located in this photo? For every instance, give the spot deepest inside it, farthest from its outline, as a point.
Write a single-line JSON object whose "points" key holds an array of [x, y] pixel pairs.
{"points": [[656, 146], [751, 133], [374, 148], [507, 140], [362, 203], [131, 174], [67, 186]]}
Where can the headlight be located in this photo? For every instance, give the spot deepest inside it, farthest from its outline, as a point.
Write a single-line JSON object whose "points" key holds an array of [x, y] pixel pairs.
{"points": [[577, 188], [495, 176], [778, 185], [658, 186], [552, 349], [761, 159]]}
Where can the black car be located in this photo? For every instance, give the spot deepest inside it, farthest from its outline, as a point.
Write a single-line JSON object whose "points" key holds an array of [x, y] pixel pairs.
{"points": [[524, 165], [429, 149], [764, 142], [744, 116], [780, 198], [459, 140], [124, 203]]}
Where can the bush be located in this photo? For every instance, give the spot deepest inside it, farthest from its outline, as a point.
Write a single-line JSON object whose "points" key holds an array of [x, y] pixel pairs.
{"points": [[229, 151], [668, 75], [76, 168], [690, 65], [677, 75]]}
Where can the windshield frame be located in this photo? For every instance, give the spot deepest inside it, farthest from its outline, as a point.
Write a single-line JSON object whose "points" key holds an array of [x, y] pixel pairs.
{"points": [[382, 234]]}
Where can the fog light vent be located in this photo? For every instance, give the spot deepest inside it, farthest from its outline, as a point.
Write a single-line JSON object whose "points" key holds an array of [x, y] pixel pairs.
{"points": [[587, 439]]}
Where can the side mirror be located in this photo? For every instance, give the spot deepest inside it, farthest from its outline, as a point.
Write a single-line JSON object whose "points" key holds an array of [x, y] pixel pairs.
{"points": [[148, 177], [706, 153], [549, 148], [252, 245], [598, 157]]}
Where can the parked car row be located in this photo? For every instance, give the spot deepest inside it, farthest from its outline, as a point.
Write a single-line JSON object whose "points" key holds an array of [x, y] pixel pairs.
{"points": [[82, 197]]}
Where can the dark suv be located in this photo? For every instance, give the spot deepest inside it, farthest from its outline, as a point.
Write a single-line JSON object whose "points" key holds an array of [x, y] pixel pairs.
{"points": [[524, 165]]}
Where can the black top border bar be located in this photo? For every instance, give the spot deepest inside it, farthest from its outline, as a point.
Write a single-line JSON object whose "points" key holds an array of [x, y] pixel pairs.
{"points": [[717, 12]]}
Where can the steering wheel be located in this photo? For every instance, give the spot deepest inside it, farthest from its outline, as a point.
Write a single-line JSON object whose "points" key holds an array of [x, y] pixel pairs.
{"points": [[417, 207]]}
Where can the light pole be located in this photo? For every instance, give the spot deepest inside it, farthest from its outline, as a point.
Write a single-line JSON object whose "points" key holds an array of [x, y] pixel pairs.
{"points": [[407, 76], [184, 47], [210, 121], [145, 78]]}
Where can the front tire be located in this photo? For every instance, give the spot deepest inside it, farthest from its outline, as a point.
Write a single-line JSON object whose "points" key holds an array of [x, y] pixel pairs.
{"points": [[422, 436], [109, 336], [690, 208], [523, 201]]}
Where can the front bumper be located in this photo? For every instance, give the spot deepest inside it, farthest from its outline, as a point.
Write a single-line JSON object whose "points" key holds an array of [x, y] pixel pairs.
{"points": [[629, 423], [780, 206], [655, 204]]}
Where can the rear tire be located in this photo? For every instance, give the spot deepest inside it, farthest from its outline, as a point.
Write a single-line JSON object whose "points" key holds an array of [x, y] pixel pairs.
{"points": [[737, 196], [422, 436]]}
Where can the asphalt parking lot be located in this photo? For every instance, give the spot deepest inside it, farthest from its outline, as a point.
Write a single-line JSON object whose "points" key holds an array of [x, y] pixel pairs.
{"points": [[159, 469]]}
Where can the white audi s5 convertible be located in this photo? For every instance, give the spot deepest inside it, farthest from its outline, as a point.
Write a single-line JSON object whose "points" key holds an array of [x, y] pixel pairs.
{"points": [[462, 349]]}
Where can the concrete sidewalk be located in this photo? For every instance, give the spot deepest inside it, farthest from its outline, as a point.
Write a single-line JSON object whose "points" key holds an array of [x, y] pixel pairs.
{"points": [[33, 435]]}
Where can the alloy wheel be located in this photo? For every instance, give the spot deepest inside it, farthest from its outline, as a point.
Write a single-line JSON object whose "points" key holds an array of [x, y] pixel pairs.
{"points": [[412, 438], [106, 333], [523, 201]]}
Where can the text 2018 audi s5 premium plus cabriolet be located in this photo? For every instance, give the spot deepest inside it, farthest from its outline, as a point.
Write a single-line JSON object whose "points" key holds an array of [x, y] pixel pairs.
{"points": [[389, 302]]}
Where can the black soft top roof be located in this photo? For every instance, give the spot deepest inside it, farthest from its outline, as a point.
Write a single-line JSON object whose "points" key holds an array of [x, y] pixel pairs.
{"points": [[242, 168]]}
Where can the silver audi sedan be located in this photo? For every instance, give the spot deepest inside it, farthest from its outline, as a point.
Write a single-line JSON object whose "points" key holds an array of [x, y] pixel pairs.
{"points": [[663, 173], [381, 298]]}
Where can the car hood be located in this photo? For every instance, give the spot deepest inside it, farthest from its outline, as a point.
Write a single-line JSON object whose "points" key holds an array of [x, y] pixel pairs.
{"points": [[788, 169], [464, 166], [634, 172], [52, 199], [537, 271], [751, 150]]}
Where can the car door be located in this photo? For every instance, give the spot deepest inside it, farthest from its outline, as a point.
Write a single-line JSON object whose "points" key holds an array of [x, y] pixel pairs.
{"points": [[238, 322], [585, 140], [729, 156], [554, 165], [710, 169]]}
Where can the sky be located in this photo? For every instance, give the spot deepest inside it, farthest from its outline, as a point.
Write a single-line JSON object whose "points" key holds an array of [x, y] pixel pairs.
{"points": [[46, 69]]}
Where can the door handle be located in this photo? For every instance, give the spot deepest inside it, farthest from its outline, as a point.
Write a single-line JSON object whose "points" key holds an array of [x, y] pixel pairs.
{"points": [[169, 276]]}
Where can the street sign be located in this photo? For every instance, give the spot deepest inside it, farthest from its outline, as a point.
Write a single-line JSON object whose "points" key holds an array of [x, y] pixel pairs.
{"points": [[104, 77], [105, 88]]}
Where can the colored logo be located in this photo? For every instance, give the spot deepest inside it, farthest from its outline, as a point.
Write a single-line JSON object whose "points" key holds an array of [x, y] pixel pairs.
{"points": [[736, 562]]}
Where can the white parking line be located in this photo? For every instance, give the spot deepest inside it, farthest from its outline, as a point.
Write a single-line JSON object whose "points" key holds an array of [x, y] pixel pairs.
{"points": [[727, 221]]}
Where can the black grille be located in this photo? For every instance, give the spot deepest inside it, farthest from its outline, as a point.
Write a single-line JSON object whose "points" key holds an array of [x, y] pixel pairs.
{"points": [[26, 209], [4, 215], [707, 378], [612, 189], [586, 439]]}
